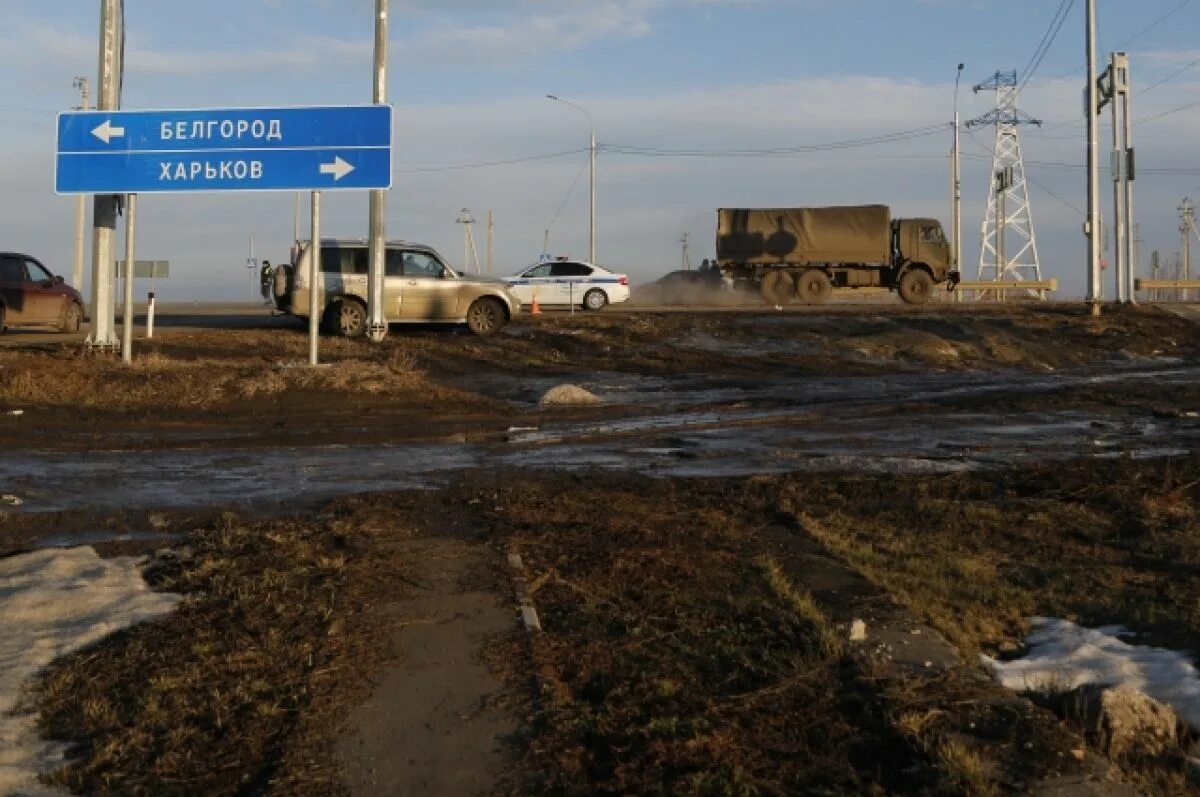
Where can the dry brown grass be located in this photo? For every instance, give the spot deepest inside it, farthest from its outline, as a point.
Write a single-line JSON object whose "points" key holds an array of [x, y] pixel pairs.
{"points": [[204, 373], [244, 688]]}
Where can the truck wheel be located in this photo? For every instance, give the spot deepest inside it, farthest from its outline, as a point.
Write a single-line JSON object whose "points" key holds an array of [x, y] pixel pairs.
{"points": [[778, 288], [814, 287], [916, 286]]}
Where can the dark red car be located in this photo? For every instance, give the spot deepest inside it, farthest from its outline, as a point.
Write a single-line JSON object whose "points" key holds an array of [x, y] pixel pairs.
{"points": [[32, 296]]}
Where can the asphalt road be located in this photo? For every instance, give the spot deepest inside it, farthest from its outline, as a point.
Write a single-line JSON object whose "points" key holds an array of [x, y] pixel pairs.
{"points": [[244, 315]]}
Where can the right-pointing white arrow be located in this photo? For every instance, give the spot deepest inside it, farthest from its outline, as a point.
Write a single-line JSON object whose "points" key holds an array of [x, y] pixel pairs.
{"points": [[107, 132], [339, 168]]}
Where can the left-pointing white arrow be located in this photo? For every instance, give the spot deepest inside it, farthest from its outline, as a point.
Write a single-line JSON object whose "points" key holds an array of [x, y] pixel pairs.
{"points": [[339, 168], [107, 132]]}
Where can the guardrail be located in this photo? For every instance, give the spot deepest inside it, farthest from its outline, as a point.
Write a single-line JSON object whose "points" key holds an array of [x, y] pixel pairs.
{"points": [[1166, 285], [1040, 286]]}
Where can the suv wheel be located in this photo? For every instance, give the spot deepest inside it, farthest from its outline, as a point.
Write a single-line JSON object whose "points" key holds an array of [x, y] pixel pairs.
{"points": [[349, 318], [485, 317], [72, 319], [595, 300]]}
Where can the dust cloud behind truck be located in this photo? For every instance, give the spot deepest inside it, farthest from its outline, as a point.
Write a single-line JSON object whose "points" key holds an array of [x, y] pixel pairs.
{"points": [[802, 254]]}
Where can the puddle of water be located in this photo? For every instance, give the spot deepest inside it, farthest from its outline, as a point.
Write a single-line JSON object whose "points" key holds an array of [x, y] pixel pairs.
{"points": [[92, 538]]}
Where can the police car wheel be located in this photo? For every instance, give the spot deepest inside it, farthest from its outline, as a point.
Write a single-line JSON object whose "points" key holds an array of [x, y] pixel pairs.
{"points": [[595, 300]]}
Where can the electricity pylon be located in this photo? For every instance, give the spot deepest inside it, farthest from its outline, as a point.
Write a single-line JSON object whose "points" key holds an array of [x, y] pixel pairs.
{"points": [[1009, 217]]}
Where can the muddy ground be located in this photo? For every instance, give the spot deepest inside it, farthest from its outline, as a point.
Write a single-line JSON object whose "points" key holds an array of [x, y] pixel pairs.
{"points": [[696, 547]]}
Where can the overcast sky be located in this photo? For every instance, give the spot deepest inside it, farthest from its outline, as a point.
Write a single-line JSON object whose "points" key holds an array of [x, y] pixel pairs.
{"points": [[468, 79]]}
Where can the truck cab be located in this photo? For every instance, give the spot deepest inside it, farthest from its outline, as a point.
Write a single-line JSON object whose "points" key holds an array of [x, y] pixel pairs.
{"points": [[923, 241]]}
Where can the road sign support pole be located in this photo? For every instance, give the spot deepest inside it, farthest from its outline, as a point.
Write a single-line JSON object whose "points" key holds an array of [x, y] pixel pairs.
{"points": [[376, 316], [150, 316], [314, 282], [104, 212], [130, 272]]}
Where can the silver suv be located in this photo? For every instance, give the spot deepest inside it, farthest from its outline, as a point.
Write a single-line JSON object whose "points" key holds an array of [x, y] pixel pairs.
{"points": [[418, 288]]}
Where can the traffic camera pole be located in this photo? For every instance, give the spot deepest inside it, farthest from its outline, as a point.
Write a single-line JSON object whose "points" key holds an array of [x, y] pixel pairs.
{"points": [[376, 317]]}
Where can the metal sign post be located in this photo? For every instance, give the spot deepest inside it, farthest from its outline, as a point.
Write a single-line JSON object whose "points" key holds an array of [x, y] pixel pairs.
{"points": [[314, 277], [127, 315]]}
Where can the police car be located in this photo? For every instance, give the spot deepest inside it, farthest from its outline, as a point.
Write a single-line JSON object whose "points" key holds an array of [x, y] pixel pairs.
{"points": [[570, 283]]}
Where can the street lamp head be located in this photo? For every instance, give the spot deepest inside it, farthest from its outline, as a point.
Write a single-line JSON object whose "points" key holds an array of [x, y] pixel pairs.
{"points": [[960, 67]]}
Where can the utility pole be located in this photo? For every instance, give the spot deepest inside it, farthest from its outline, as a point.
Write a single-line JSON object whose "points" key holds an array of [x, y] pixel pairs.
{"points": [[1135, 259], [491, 253], [956, 179], [104, 209], [1155, 266], [84, 87], [1114, 90], [1129, 172], [1187, 228], [1092, 110], [686, 262], [469, 252], [377, 327]]}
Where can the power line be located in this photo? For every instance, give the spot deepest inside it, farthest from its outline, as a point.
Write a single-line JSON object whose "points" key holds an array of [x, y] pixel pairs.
{"points": [[570, 191], [1152, 26], [1168, 78], [1172, 112], [887, 138], [1048, 39], [488, 164]]}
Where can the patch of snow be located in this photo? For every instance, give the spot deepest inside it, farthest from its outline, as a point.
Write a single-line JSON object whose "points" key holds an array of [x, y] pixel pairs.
{"points": [[54, 602], [1063, 656]]}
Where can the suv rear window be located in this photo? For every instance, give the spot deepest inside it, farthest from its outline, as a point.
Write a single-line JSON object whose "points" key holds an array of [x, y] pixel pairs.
{"points": [[343, 260]]}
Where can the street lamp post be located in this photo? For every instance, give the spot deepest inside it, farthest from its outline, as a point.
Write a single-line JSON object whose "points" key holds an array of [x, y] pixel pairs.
{"points": [[592, 123]]}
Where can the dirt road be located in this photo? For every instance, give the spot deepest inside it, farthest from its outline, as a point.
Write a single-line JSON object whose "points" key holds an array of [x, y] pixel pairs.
{"points": [[697, 545]]}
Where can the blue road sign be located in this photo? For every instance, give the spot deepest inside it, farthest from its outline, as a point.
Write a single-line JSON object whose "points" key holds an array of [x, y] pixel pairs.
{"points": [[241, 149]]}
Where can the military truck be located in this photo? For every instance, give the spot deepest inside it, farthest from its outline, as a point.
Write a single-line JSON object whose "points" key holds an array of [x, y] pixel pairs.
{"points": [[802, 254]]}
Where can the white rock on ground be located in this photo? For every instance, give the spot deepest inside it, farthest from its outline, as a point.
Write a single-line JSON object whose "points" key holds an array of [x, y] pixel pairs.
{"points": [[53, 602], [568, 396]]}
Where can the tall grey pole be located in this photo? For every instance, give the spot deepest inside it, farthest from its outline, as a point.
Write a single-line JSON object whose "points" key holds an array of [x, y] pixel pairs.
{"points": [[84, 87], [104, 209], [957, 188], [1093, 164], [1131, 240], [491, 253], [376, 316], [130, 273], [315, 281], [958, 177], [1118, 169], [296, 225]]}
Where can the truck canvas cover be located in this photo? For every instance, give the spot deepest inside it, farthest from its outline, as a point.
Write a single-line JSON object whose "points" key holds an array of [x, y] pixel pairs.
{"points": [[766, 236]]}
